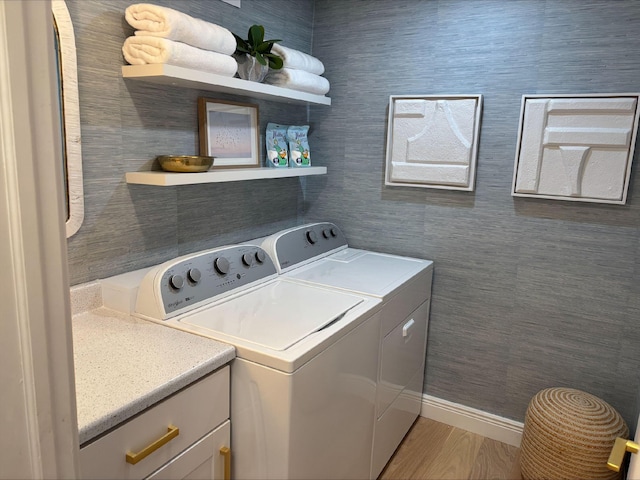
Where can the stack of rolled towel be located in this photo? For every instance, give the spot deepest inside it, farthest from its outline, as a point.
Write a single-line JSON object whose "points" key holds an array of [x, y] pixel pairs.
{"points": [[164, 35], [300, 72]]}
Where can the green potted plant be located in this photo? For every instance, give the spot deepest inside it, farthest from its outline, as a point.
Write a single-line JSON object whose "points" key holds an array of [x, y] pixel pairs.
{"points": [[254, 55]]}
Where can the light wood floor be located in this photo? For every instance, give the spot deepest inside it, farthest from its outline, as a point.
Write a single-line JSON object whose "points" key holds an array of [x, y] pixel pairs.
{"points": [[433, 450]]}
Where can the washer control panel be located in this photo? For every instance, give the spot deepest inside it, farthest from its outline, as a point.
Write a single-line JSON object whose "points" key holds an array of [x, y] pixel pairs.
{"points": [[298, 245], [193, 279]]}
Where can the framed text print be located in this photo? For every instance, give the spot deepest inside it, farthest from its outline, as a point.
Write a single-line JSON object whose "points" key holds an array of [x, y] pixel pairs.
{"points": [[228, 131]]}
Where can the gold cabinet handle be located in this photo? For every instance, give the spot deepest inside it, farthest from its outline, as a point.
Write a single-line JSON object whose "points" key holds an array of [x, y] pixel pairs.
{"points": [[226, 454], [172, 432], [616, 457]]}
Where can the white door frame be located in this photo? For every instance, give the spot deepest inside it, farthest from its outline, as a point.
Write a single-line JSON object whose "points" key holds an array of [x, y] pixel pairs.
{"points": [[40, 435]]}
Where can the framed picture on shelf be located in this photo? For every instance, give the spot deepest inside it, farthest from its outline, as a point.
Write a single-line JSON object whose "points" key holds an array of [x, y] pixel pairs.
{"points": [[228, 131]]}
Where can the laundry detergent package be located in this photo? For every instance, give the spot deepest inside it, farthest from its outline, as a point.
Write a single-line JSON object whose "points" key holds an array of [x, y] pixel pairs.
{"points": [[276, 143], [299, 146]]}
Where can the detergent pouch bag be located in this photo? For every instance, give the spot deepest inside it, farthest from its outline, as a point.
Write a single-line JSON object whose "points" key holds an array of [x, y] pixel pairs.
{"points": [[276, 143], [299, 146]]}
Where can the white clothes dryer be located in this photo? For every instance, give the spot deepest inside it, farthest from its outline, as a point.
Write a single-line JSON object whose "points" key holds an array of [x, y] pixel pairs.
{"points": [[303, 385], [318, 254]]}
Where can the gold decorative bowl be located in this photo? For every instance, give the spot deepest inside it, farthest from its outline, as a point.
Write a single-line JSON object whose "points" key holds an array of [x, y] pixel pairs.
{"points": [[185, 163]]}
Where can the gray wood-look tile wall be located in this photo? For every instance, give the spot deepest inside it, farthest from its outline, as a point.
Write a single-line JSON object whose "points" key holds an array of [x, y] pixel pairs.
{"points": [[126, 124], [527, 293]]}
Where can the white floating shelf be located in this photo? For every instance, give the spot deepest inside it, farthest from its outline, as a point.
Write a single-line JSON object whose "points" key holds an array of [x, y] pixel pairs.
{"points": [[169, 179], [184, 77]]}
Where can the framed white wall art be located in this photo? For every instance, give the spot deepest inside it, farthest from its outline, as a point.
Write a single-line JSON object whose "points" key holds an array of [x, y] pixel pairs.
{"points": [[432, 141], [576, 147]]}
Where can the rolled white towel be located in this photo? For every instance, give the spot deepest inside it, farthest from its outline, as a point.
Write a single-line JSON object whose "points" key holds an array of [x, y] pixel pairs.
{"points": [[298, 80], [298, 60], [141, 50], [156, 21]]}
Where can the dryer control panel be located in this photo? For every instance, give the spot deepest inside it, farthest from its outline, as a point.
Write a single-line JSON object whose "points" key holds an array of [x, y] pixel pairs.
{"points": [[297, 246], [187, 282]]}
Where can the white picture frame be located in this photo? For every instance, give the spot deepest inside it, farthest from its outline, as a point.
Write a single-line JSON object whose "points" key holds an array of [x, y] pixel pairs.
{"points": [[228, 131], [576, 147], [432, 141]]}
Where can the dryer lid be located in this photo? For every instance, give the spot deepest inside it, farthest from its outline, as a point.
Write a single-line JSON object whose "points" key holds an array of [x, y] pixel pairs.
{"points": [[356, 270], [275, 315]]}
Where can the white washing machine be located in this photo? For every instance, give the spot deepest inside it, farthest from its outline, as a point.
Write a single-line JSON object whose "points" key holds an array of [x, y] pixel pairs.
{"points": [[303, 385], [318, 254]]}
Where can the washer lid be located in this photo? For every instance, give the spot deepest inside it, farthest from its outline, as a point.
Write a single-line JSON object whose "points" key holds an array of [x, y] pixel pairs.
{"points": [[276, 315], [356, 270]]}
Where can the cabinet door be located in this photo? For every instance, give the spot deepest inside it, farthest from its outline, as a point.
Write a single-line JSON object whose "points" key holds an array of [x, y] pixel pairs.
{"points": [[195, 411], [202, 461]]}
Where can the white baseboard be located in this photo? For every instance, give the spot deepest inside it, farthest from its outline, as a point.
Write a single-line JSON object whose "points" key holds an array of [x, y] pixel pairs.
{"points": [[476, 421]]}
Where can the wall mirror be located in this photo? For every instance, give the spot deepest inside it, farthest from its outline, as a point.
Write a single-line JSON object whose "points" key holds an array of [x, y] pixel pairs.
{"points": [[65, 45]]}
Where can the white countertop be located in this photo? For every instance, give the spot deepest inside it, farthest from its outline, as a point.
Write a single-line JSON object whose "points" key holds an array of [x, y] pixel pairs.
{"points": [[124, 364]]}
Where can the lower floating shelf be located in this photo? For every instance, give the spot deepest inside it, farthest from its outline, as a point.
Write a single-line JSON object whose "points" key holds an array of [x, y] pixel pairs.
{"points": [[169, 179]]}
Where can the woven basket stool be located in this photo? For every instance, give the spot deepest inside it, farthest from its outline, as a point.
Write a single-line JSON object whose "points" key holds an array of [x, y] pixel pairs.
{"points": [[568, 434]]}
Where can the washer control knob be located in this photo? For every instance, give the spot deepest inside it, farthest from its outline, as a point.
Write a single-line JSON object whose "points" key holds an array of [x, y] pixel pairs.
{"points": [[176, 281], [221, 265], [326, 233], [334, 232], [260, 256], [312, 237], [247, 259], [194, 275]]}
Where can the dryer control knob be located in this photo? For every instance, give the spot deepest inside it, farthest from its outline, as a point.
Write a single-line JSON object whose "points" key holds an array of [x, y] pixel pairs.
{"points": [[194, 275], [260, 256], [176, 281], [247, 259], [326, 233], [312, 237], [334, 232], [221, 265]]}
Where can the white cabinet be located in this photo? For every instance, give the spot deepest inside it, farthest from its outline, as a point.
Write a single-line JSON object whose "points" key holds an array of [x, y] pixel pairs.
{"points": [[205, 460], [180, 437]]}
